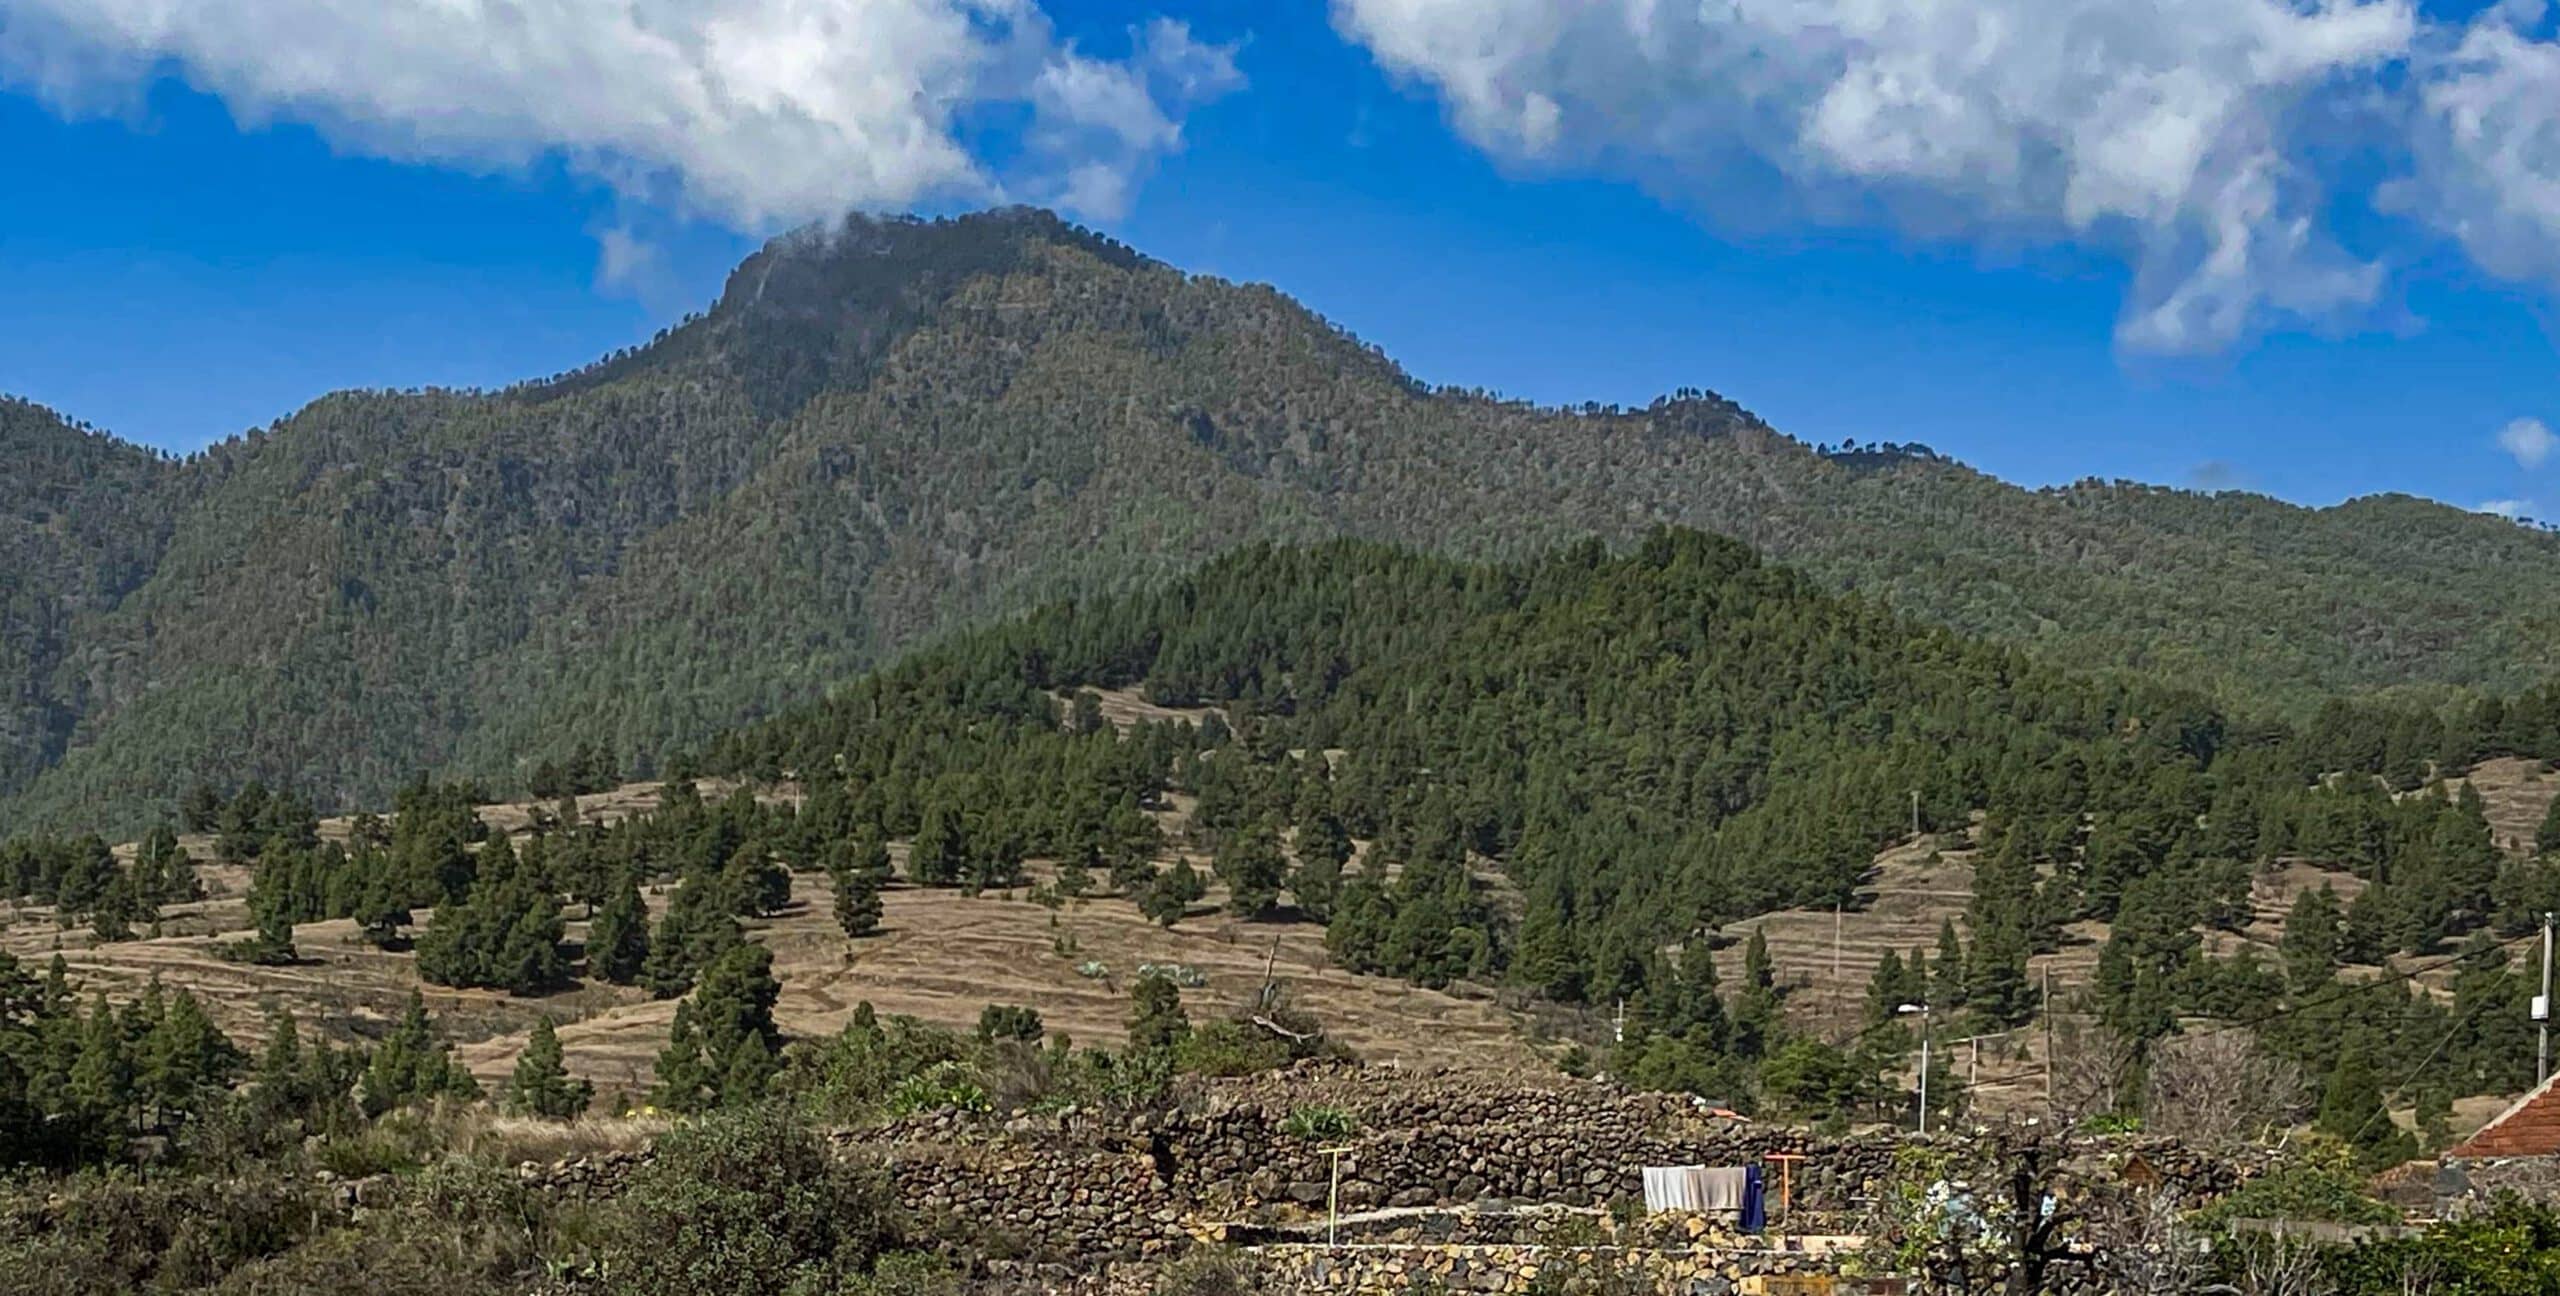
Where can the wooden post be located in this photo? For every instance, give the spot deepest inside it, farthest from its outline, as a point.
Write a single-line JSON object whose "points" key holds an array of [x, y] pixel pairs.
{"points": [[1786, 1180], [2048, 1038], [1333, 1196], [1835, 940]]}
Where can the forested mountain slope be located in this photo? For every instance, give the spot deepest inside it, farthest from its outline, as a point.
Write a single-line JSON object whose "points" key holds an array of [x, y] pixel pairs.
{"points": [[881, 432], [80, 526]]}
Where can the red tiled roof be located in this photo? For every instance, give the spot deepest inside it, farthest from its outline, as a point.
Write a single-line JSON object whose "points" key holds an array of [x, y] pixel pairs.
{"points": [[2529, 1128]]}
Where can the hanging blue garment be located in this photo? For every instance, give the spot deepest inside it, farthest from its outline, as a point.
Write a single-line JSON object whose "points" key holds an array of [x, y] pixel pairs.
{"points": [[1755, 1206]]}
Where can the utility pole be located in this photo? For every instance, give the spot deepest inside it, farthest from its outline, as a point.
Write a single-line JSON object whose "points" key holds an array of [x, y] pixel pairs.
{"points": [[2048, 1038], [1835, 940], [1921, 1008], [2542, 1009], [1915, 813]]}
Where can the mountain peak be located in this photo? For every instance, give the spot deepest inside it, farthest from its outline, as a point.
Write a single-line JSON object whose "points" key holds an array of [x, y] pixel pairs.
{"points": [[821, 270], [819, 305]]}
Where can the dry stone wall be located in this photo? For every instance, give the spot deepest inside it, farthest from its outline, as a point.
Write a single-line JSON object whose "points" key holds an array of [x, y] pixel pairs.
{"points": [[1542, 1269], [1092, 1185]]}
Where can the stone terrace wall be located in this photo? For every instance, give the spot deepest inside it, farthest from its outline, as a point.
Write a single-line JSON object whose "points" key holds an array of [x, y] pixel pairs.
{"points": [[1093, 1185], [1525, 1269]]}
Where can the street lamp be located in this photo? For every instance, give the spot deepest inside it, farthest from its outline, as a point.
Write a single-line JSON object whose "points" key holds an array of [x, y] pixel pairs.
{"points": [[1921, 1008]]}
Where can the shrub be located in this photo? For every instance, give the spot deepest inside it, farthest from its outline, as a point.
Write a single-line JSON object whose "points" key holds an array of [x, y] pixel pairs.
{"points": [[748, 1203], [1009, 1021], [121, 1230], [1209, 1272], [1320, 1123], [944, 1086], [2300, 1192]]}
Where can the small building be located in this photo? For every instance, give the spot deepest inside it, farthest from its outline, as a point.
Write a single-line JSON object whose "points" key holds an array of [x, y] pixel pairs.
{"points": [[2528, 1128]]}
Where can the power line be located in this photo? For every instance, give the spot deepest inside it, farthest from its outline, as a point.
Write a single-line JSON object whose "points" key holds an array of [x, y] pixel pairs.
{"points": [[2385, 1107], [2345, 989]]}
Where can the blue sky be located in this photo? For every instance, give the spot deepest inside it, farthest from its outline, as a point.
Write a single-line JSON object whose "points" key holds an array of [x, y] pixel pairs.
{"points": [[196, 242]]}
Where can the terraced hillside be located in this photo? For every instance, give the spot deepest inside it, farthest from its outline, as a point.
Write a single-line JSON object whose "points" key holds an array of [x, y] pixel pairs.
{"points": [[941, 957]]}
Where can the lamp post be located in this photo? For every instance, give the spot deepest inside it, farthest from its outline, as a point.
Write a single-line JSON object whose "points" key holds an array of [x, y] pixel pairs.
{"points": [[1921, 1008]]}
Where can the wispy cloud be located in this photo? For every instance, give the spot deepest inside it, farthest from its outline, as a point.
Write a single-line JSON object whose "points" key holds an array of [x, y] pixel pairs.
{"points": [[2529, 440], [2209, 143], [2510, 509], [751, 113]]}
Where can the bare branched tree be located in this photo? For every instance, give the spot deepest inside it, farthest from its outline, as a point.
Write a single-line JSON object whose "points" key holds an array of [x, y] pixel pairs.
{"points": [[2220, 1088], [2421, 1275], [2091, 1068], [2146, 1247], [2272, 1264]]}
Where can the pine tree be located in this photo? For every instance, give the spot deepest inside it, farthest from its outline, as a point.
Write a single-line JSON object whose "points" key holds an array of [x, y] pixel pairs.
{"points": [[857, 900], [756, 883], [414, 1065], [1156, 1019], [1756, 1020], [1995, 982], [940, 854], [1888, 988], [618, 939], [382, 910], [2351, 1108], [2546, 839], [506, 935], [1254, 869], [541, 1085], [118, 909], [697, 928], [184, 1059], [200, 810], [727, 1024], [165, 872], [1075, 870], [748, 1074], [1947, 984], [86, 878], [685, 1082], [100, 1088], [1133, 871], [1550, 956], [2311, 939], [273, 945], [1173, 893], [1323, 848]]}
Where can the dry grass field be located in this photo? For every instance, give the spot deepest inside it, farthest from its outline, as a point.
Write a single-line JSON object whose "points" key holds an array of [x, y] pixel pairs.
{"points": [[939, 956], [942, 956], [1826, 958]]}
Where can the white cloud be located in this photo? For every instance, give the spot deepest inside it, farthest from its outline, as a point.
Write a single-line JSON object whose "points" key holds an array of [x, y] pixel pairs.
{"points": [[2487, 144], [2170, 130], [754, 113], [2509, 509], [2529, 440], [625, 259], [2212, 144]]}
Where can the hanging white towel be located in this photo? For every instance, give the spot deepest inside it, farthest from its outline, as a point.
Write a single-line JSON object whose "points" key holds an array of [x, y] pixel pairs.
{"points": [[1671, 1188]]}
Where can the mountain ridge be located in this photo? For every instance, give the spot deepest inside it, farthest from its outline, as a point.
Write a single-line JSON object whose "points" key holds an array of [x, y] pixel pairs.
{"points": [[881, 434]]}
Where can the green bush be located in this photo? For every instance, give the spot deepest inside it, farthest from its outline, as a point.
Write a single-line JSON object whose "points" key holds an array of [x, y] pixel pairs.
{"points": [[1320, 1123], [125, 1230], [2512, 1249], [2300, 1192], [944, 1086], [747, 1204]]}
